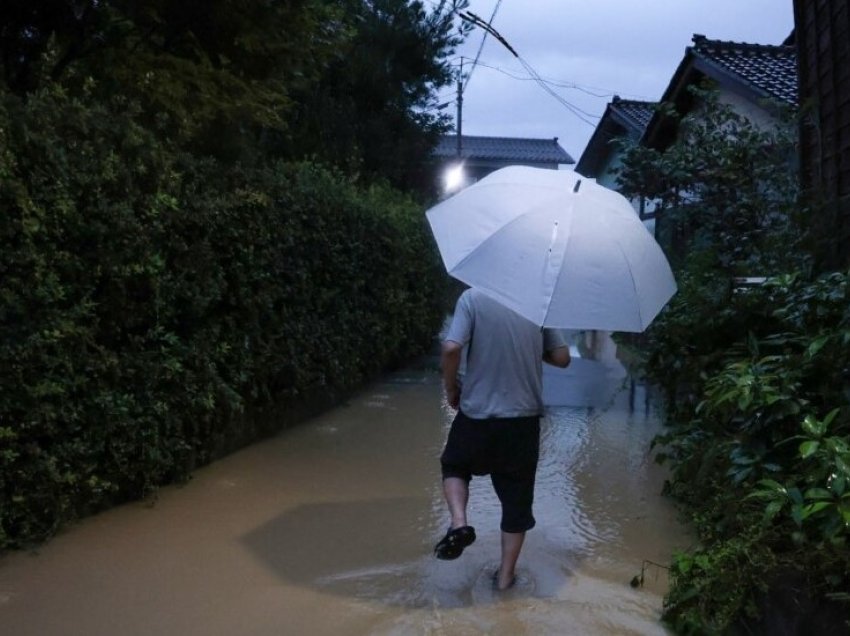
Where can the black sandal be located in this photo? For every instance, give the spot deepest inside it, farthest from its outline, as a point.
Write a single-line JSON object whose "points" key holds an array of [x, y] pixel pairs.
{"points": [[452, 545]]}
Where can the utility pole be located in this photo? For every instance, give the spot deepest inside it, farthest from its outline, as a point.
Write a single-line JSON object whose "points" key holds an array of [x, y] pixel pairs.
{"points": [[475, 21], [459, 123]]}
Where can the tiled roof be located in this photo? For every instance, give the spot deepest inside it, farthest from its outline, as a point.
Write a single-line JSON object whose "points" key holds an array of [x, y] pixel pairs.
{"points": [[636, 114], [770, 69], [516, 149], [755, 71], [622, 119]]}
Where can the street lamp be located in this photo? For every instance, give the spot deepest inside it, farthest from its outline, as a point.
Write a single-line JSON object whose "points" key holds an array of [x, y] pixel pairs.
{"points": [[453, 178]]}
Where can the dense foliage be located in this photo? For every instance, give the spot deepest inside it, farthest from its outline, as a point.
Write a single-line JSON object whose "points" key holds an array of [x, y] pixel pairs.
{"points": [[151, 302], [758, 383], [757, 379], [348, 83], [726, 191], [373, 110], [177, 275], [202, 66]]}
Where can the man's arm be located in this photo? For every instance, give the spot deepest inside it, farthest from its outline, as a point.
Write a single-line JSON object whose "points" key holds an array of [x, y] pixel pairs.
{"points": [[450, 363], [559, 357]]}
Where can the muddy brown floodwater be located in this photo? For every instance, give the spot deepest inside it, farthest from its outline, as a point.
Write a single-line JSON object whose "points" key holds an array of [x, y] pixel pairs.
{"points": [[328, 529]]}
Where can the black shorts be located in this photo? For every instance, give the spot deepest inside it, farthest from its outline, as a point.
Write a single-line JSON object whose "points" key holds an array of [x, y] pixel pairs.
{"points": [[504, 448]]}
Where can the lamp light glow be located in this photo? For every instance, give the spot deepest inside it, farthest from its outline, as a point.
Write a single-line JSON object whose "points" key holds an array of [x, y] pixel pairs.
{"points": [[453, 178]]}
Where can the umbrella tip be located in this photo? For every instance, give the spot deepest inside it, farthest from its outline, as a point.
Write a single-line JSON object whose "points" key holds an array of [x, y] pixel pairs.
{"points": [[577, 185]]}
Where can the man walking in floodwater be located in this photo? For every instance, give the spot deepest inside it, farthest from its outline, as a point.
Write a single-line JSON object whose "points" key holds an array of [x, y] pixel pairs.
{"points": [[496, 430]]}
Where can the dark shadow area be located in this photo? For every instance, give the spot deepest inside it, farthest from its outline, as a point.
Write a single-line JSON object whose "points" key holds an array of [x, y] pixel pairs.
{"points": [[315, 541], [374, 549], [380, 550]]}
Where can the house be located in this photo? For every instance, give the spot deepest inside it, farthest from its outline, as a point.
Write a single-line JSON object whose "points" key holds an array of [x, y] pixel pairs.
{"points": [[622, 119], [822, 32], [753, 78], [756, 80], [482, 155]]}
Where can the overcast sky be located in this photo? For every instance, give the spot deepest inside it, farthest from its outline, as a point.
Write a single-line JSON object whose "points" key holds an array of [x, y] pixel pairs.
{"points": [[595, 49]]}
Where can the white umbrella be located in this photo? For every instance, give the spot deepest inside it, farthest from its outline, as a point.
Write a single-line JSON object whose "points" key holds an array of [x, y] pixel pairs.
{"points": [[557, 248]]}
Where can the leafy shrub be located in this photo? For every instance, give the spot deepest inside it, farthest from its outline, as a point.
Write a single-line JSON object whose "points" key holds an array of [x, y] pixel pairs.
{"points": [[756, 380], [158, 309], [713, 586], [760, 444]]}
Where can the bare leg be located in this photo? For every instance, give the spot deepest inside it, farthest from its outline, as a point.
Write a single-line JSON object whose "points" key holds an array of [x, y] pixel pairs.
{"points": [[456, 492], [511, 546]]}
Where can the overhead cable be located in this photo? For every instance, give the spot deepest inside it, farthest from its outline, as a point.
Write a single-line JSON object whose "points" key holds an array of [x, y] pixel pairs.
{"points": [[575, 110], [481, 46]]}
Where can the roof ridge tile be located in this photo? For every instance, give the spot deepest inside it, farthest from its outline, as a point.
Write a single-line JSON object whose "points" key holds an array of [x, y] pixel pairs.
{"points": [[771, 69], [700, 41]]}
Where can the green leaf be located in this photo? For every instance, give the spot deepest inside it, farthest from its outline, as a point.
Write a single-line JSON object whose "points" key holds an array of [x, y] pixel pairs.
{"points": [[817, 493], [771, 510], [813, 426], [743, 460], [739, 475], [726, 396], [843, 465], [807, 449], [811, 509], [839, 446], [830, 416], [796, 496], [816, 346], [766, 495], [772, 484]]}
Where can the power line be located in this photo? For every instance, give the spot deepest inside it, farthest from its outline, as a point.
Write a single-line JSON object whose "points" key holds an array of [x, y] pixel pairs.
{"points": [[575, 110], [583, 88], [488, 29], [573, 85], [481, 46], [609, 92]]}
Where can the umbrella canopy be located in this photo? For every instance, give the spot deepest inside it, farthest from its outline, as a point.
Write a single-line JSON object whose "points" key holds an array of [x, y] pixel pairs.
{"points": [[557, 248]]}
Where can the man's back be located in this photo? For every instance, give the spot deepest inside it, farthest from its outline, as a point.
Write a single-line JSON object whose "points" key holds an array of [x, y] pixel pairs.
{"points": [[503, 374]]}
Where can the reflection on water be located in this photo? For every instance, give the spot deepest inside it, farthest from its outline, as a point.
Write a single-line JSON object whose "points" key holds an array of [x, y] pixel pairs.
{"points": [[328, 529]]}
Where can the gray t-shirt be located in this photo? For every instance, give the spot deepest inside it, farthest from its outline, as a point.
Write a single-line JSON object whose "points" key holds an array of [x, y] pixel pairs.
{"points": [[503, 371]]}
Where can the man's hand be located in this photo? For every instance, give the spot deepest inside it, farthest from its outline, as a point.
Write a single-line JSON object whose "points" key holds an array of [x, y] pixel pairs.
{"points": [[450, 362], [559, 357], [453, 396]]}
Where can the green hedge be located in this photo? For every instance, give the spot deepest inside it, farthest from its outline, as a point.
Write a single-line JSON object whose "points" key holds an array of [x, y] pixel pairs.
{"points": [[758, 444], [158, 309]]}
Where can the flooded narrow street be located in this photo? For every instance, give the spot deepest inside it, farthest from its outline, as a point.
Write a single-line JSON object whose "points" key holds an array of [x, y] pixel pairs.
{"points": [[328, 529]]}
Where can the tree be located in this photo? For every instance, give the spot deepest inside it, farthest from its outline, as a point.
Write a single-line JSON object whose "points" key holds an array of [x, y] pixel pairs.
{"points": [[726, 186], [369, 113], [349, 82], [196, 66]]}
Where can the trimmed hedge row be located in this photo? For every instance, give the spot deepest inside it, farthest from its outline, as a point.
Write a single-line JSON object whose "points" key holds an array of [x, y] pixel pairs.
{"points": [[158, 310]]}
